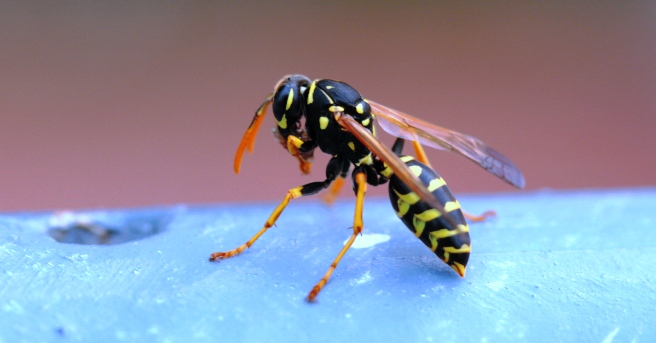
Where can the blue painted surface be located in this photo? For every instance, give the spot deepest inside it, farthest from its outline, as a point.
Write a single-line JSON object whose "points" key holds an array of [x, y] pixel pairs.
{"points": [[556, 266]]}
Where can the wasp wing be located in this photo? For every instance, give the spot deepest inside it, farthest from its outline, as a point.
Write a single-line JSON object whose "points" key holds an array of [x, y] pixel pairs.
{"points": [[406, 126], [400, 169]]}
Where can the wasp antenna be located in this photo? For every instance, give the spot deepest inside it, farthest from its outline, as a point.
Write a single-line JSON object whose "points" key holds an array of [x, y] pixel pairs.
{"points": [[248, 140]]}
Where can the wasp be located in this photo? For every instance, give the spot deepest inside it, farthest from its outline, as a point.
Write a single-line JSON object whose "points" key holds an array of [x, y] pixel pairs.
{"points": [[334, 117]]}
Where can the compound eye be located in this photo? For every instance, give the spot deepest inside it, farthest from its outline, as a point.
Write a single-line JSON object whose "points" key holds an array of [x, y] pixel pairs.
{"points": [[304, 87], [287, 108]]}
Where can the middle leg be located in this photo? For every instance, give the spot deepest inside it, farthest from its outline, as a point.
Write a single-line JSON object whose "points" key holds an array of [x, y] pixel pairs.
{"points": [[360, 179], [337, 185], [335, 165]]}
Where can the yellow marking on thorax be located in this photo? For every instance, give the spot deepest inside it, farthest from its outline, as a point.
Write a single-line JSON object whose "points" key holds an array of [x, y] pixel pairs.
{"points": [[323, 122], [313, 86], [406, 158], [283, 122], [351, 145], [435, 184], [327, 97], [360, 108], [452, 206], [290, 99], [367, 160], [336, 109], [366, 122]]}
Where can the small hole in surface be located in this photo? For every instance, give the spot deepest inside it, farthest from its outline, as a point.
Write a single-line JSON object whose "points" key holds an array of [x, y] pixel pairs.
{"points": [[73, 228]]}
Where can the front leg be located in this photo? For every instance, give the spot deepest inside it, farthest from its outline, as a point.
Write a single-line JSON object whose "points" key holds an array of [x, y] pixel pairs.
{"points": [[302, 150], [337, 185], [332, 171]]}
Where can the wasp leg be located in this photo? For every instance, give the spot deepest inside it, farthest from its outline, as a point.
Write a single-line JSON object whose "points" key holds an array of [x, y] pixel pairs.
{"points": [[332, 170], [479, 218], [397, 148], [361, 183], [334, 191], [421, 155], [309, 189], [337, 186], [296, 147], [291, 194]]}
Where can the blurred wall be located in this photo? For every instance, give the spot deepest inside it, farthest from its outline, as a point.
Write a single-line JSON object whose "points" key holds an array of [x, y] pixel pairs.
{"points": [[113, 104]]}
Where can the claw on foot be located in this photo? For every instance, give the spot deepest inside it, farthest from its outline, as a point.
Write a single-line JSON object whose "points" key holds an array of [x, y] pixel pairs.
{"points": [[215, 257], [311, 297]]}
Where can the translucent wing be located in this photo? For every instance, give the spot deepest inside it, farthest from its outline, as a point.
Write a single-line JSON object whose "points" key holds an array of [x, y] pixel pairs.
{"points": [[401, 170], [405, 126]]}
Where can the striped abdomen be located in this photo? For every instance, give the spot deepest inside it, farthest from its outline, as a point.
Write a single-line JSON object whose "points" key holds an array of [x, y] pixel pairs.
{"points": [[451, 244]]}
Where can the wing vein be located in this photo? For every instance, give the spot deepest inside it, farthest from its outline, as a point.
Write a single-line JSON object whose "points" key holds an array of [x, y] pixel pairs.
{"points": [[406, 126]]}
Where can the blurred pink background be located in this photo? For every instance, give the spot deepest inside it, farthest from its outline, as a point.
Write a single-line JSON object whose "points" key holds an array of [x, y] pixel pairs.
{"points": [[106, 104]]}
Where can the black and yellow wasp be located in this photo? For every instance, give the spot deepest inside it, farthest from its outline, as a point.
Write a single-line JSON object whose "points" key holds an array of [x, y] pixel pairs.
{"points": [[340, 122]]}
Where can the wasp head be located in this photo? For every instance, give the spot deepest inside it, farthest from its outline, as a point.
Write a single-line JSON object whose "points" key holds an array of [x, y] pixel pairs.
{"points": [[289, 104]]}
